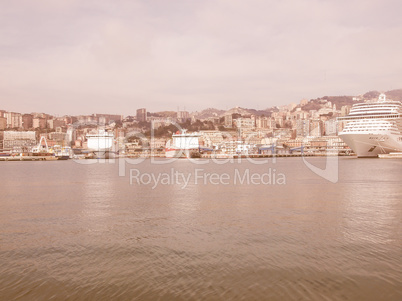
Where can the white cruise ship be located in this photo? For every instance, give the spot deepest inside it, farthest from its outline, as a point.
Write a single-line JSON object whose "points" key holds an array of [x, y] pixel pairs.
{"points": [[374, 127], [183, 145], [100, 143]]}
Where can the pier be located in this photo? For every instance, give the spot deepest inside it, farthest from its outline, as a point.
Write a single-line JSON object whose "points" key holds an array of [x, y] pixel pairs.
{"points": [[28, 158]]}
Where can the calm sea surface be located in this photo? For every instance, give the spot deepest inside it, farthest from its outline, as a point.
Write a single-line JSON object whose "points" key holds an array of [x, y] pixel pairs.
{"points": [[234, 231]]}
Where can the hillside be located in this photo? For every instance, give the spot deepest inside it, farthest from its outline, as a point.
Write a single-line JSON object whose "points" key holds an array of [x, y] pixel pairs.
{"points": [[339, 101], [164, 114], [210, 112], [394, 94], [313, 104]]}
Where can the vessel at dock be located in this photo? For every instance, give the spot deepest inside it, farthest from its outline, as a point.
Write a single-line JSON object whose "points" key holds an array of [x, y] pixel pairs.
{"points": [[391, 156], [62, 153], [183, 145], [374, 127], [100, 143]]}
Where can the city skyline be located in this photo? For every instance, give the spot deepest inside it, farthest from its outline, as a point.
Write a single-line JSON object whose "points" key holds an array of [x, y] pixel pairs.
{"points": [[75, 58]]}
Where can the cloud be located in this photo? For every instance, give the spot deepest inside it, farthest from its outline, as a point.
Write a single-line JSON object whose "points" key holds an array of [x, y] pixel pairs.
{"points": [[116, 56]]}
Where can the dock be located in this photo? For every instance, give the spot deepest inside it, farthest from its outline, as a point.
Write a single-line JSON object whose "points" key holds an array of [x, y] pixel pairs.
{"points": [[390, 156], [28, 158]]}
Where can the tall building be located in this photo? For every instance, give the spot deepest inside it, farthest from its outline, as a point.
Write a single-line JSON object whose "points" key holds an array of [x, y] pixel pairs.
{"points": [[331, 127], [302, 127], [50, 123], [39, 122], [229, 120], [27, 121], [316, 128], [142, 115], [345, 110], [3, 123], [245, 123], [263, 123], [14, 120]]}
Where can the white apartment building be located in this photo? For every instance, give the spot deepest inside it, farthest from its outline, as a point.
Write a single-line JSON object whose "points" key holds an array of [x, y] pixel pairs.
{"points": [[16, 139], [14, 120]]}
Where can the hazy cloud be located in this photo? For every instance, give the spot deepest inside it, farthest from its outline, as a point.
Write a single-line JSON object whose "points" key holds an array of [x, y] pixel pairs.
{"points": [[116, 56]]}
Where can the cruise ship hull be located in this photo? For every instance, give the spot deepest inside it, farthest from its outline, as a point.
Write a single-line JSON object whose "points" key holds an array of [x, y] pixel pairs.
{"points": [[371, 145], [183, 145], [104, 154]]}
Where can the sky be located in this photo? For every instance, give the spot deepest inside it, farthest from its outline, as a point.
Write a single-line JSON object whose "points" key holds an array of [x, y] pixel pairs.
{"points": [[97, 56]]}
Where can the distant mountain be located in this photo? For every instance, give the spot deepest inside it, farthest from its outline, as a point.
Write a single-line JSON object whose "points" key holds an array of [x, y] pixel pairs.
{"points": [[164, 114], [313, 104], [210, 112], [394, 94], [371, 95], [339, 101], [244, 111]]}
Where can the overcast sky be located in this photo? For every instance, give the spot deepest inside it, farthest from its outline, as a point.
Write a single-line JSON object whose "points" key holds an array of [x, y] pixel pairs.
{"points": [[81, 57]]}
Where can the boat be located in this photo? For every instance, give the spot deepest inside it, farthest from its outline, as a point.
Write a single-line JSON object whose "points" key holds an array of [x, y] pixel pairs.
{"points": [[62, 153], [183, 145], [391, 156], [100, 142], [373, 127]]}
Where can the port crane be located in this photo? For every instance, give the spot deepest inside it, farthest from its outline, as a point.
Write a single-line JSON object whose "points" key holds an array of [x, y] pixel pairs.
{"points": [[41, 148]]}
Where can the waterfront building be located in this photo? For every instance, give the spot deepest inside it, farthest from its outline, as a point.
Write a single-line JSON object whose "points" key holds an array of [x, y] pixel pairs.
{"points": [[18, 139], [158, 143], [211, 138]]}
